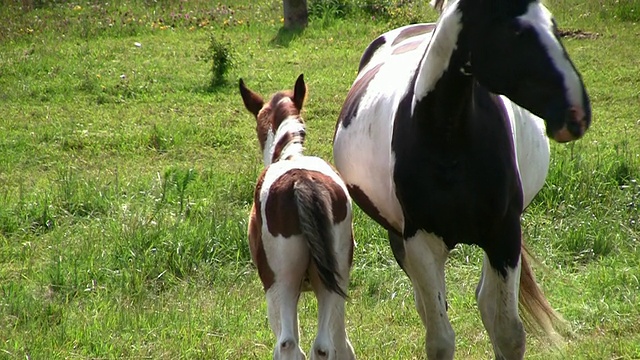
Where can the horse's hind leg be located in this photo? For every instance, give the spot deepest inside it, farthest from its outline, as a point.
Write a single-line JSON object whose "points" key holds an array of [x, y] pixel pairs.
{"points": [[423, 261], [497, 296], [289, 259]]}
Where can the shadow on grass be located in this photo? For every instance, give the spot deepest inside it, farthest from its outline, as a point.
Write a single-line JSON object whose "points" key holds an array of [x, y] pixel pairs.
{"points": [[225, 87], [285, 36]]}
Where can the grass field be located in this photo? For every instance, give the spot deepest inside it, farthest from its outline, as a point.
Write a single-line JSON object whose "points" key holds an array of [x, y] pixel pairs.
{"points": [[126, 179]]}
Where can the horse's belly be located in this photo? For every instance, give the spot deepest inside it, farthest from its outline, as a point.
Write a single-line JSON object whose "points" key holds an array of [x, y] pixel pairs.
{"points": [[362, 155]]}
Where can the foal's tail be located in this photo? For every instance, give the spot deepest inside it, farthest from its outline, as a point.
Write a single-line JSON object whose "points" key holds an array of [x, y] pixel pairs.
{"points": [[536, 311], [314, 210]]}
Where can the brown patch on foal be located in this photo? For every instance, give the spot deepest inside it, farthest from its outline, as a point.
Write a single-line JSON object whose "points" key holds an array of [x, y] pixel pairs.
{"points": [[281, 209], [256, 246]]}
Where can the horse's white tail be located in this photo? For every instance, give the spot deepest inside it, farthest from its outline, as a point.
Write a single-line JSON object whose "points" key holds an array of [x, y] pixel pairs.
{"points": [[314, 210]]}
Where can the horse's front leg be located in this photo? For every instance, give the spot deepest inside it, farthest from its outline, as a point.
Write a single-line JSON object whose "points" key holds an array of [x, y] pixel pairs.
{"points": [[423, 260], [497, 295]]}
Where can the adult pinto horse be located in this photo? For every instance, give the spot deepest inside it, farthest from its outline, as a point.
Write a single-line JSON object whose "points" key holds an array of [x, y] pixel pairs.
{"points": [[441, 141], [299, 228]]}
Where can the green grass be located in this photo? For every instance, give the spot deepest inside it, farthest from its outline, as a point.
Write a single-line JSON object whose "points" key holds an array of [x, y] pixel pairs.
{"points": [[126, 181]]}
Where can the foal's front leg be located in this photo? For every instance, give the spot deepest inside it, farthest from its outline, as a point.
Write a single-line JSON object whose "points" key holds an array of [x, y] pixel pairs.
{"points": [[424, 258]]}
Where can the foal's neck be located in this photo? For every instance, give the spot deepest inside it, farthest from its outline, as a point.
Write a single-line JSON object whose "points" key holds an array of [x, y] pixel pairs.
{"points": [[288, 141]]}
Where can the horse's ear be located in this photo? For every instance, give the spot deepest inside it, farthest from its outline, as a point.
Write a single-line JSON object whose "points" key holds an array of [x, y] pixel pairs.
{"points": [[252, 101], [299, 92]]}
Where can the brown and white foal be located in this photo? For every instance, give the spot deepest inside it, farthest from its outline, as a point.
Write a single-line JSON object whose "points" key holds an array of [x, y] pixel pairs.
{"points": [[300, 228]]}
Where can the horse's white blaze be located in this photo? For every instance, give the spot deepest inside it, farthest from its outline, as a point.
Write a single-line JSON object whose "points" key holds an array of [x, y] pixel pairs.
{"points": [[436, 58], [531, 146], [539, 17]]}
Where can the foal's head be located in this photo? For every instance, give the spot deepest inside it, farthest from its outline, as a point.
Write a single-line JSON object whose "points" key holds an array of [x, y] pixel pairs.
{"points": [[278, 122], [515, 50]]}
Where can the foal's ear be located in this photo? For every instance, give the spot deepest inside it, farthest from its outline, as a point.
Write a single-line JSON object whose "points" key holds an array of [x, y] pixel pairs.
{"points": [[252, 101], [299, 92]]}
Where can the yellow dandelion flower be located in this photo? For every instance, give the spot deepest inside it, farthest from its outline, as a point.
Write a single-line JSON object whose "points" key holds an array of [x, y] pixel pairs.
{"points": [[77, 8]]}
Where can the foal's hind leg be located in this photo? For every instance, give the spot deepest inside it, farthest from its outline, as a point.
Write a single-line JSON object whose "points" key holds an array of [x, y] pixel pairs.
{"points": [[332, 341], [424, 258], [289, 258]]}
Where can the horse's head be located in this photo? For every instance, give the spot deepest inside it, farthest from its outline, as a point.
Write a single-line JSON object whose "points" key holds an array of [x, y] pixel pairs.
{"points": [[516, 51], [270, 115], [283, 105]]}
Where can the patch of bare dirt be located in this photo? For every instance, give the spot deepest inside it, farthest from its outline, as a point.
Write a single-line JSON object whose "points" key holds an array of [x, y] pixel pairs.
{"points": [[578, 34]]}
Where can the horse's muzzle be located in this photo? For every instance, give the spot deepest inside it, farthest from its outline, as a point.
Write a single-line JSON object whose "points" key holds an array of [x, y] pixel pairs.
{"points": [[576, 125]]}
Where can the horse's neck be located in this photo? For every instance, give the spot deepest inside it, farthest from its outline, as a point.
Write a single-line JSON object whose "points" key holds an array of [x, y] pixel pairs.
{"points": [[444, 57], [443, 87], [287, 142]]}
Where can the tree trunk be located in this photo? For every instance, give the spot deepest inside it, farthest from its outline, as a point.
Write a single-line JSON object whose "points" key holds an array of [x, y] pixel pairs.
{"points": [[295, 14]]}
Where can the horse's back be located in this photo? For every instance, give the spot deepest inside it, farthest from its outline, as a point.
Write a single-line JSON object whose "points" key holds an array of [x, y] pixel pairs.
{"points": [[396, 42]]}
